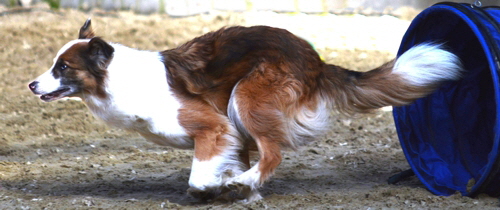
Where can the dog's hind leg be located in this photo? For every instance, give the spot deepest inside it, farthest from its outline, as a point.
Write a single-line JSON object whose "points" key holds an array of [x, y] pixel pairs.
{"points": [[258, 108]]}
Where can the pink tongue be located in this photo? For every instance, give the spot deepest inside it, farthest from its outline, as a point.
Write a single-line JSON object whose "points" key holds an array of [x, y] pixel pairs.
{"points": [[55, 94], [47, 97]]}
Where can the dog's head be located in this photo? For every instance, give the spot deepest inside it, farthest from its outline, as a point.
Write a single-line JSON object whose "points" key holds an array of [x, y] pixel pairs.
{"points": [[79, 68]]}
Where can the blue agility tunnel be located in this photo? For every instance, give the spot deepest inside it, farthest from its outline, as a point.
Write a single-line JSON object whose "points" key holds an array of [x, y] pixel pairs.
{"points": [[451, 138]]}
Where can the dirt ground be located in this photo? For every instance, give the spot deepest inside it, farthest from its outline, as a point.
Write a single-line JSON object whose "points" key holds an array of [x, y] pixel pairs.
{"points": [[58, 156]]}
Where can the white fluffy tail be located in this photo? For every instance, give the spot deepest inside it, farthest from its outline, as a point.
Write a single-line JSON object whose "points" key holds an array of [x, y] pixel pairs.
{"points": [[428, 63], [415, 74]]}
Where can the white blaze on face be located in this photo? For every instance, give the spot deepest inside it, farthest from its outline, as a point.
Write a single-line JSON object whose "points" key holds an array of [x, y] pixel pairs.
{"points": [[47, 83]]}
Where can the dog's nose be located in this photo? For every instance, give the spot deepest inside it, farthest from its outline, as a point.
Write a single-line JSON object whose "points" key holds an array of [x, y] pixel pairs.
{"points": [[32, 86]]}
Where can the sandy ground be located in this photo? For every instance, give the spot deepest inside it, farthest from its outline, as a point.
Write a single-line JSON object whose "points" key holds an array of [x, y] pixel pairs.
{"points": [[58, 156]]}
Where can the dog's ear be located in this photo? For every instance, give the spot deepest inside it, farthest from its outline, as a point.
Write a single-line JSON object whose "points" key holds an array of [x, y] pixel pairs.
{"points": [[86, 31], [100, 52]]}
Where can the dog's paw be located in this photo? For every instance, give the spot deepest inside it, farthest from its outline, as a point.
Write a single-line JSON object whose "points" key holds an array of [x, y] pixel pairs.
{"points": [[203, 195], [243, 193], [239, 188]]}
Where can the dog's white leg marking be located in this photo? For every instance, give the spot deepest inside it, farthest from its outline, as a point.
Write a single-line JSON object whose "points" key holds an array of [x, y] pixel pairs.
{"points": [[207, 174], [208, 177], [249, 179]]}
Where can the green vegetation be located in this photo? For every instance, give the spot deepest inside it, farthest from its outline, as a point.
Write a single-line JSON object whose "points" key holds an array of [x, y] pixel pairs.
{"points": [[53, 4]]}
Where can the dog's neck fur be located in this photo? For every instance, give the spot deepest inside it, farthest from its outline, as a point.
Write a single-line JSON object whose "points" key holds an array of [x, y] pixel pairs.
{"points": [[139, 98]]}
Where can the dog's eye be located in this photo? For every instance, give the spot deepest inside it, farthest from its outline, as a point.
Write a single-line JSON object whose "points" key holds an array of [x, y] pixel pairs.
{"points": [[63, 67]]}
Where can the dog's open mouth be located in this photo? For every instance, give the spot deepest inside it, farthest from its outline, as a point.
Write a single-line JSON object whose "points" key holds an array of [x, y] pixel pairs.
{"points": [[55, 95]]}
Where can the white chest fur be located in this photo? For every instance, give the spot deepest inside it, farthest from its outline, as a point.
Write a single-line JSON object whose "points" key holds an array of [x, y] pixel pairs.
{"points": [[139, 98]]}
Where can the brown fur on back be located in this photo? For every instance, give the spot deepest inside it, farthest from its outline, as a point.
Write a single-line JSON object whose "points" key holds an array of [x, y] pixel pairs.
{"points": [[208, 67], [280, 75]]}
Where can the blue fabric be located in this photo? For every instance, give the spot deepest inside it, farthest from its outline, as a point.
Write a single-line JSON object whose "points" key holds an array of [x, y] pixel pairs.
{"points": [[452, 136]]}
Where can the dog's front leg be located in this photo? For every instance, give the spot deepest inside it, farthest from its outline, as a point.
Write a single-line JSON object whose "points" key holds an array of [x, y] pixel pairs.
{"points": [[214, 163], [217, 147]]}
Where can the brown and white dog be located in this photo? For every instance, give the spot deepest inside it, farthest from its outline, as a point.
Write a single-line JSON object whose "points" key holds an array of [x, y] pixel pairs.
{"points": [[233, 91]]}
